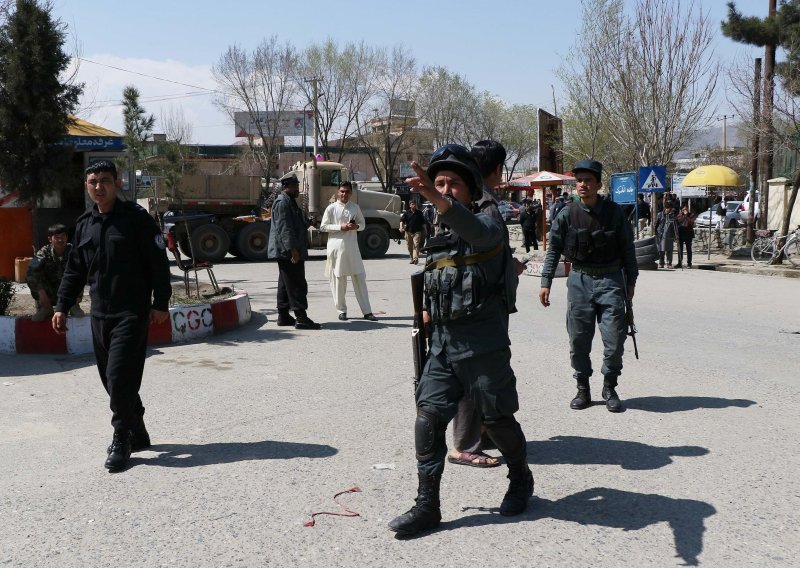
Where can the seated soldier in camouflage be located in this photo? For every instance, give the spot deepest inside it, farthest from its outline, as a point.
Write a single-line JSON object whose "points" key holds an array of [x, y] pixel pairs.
{"points": [[45, 272]]}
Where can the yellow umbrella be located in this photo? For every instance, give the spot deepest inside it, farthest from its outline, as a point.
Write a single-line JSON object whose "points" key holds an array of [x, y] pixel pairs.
{"points": [[711, 176]]}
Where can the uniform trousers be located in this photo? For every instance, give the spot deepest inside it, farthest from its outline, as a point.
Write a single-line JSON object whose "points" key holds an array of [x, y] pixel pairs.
{"points": [[292, 286], [601, 300], [529, 239], [489, 381], [120, 346], [414, 243], [339, 289]]}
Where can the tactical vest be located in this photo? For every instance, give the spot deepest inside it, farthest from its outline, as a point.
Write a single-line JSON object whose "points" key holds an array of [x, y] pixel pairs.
{"points": [[588, 239], [456, 283]]}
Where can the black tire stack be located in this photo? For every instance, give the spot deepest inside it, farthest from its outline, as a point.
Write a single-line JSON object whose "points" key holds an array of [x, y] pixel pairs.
{"points": [[646, 253]]}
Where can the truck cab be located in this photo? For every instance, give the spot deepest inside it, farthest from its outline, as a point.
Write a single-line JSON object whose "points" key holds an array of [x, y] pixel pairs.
{"points": [[319, 182]]}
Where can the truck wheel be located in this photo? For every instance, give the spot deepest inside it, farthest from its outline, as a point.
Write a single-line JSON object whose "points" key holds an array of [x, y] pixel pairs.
{"points": [[252, 241], [210, 242], [373, 242]]}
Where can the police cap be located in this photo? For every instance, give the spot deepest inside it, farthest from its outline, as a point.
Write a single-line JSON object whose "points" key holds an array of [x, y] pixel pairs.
{"points": [[289, 179], [589, 166]]}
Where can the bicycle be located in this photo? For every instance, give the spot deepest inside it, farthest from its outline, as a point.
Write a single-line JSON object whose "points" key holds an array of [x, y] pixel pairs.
{"points": [[765, 247]]}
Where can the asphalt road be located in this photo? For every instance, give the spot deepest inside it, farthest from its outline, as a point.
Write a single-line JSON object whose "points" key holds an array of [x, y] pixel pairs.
{"points": [[256, 429]]}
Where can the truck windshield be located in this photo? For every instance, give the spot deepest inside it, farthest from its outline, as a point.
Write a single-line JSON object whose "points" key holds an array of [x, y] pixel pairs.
{"points": [[331, 177]]}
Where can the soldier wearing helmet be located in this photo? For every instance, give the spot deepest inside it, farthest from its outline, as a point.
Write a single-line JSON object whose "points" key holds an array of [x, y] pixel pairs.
{"points": [[466, 315]]}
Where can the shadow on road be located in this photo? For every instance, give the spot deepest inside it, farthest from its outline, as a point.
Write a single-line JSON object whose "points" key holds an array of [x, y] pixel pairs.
{"points": [[617, 509], [33, 365], [628, 455], [193, 455], [665, 404]]}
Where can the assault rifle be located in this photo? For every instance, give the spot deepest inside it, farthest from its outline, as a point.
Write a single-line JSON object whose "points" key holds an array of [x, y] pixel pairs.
{"points": [[419, 342], [629, 316]]}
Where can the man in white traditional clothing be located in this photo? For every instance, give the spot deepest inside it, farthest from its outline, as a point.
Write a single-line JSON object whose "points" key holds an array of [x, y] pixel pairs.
{"points": [[342, 220]]}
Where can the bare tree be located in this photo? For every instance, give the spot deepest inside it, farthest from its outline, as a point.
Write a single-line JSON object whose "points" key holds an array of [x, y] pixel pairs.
{"points": [[648, 78], [518, 133], [444, 100], [485, 117], [173, 155], [783, 128], [261, 83], [587, 130], [786, 133], [346, 81], [389, 125]]}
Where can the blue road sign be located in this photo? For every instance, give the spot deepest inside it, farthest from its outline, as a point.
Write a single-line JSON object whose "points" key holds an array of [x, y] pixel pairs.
{"points": [[623, 187], [652, 179]]}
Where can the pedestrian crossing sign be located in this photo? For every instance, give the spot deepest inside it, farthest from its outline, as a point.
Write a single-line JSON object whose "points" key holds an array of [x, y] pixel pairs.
{"points": [[652, 179]]}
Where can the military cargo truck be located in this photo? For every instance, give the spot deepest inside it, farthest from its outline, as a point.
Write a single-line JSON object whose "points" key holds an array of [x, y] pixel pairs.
{"points": [[220, 214]]}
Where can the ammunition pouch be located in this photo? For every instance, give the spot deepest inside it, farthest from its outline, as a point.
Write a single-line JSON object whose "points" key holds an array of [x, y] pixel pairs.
{"points": [[456, 285]]}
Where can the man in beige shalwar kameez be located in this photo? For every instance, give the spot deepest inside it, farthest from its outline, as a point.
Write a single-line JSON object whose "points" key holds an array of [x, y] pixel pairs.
{"points": [[342, 220]]}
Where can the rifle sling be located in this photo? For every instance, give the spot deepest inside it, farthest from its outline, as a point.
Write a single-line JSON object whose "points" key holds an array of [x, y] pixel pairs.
{"points": [[465, 260]]}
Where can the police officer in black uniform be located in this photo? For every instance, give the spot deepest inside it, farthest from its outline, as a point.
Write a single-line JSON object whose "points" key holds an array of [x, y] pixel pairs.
{"points": [[467, 314], [118, 248], [288, 244], [595, 237]]}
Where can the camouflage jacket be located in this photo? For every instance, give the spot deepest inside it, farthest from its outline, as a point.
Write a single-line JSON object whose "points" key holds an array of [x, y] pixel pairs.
{"points": [[46, 269]]}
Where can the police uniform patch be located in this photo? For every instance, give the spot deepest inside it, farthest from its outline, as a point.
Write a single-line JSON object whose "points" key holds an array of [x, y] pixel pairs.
{"points": [[160, 241]]}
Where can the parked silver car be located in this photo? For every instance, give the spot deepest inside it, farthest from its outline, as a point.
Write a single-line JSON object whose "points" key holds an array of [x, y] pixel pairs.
{"points": [[710, 217]]}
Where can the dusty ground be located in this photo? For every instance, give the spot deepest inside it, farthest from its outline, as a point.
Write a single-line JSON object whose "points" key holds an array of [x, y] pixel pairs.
{"points": [[23, 305]]}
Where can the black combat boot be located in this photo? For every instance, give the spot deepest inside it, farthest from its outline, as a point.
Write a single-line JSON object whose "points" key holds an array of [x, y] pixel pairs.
{"points": [[305, 322], [520, 489], [140, 438], [613, 403], [584, 398], [120, 451], [426, 514], [284, 318]]}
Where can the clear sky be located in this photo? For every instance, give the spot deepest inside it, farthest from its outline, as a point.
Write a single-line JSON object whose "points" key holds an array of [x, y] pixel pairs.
{"points": [[508, 47]]}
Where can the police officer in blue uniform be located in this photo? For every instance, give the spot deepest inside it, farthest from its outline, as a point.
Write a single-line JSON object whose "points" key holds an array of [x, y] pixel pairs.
{"points": [[466, 311], [118, 248], [595, 237]]}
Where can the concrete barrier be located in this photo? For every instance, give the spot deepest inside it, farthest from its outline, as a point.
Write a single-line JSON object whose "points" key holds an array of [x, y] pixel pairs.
{"points": [[185, 323]]}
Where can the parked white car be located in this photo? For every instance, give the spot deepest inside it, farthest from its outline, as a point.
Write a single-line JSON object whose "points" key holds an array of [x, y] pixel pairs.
{"points": [[731, 216], [745, 207]]}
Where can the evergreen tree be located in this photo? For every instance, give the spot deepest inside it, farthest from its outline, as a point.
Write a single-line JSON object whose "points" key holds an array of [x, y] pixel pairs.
{"points": [[34, 102], [780, 30], [138, 126]]}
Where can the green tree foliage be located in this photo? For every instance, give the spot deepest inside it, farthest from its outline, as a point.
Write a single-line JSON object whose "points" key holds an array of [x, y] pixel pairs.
{"points": [[34, 102], [138, 128], [782, 30]]}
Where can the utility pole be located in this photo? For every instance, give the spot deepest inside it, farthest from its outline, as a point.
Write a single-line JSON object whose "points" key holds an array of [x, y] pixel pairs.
{"points": [[754, 149], [725, 118], [765, 170], [314, 96]]}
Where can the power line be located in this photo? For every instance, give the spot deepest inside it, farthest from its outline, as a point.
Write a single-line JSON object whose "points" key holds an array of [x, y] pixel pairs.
{"points": [[118, 102], [176, 95], [148, 76]]}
